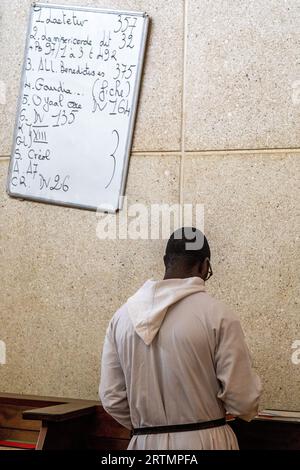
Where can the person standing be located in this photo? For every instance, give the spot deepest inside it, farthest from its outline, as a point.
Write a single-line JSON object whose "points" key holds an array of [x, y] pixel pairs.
{"points": [[175, 359]]}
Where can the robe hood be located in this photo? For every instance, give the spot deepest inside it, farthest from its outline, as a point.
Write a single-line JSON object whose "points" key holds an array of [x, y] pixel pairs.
{"points": [[147, 308]]}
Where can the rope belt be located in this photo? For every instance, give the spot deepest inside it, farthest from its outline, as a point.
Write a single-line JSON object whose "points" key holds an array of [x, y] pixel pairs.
{"points": [[179, 427]]}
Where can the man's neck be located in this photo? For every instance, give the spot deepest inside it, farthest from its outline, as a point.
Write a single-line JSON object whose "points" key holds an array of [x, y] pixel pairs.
{"points": [[178, 275]]}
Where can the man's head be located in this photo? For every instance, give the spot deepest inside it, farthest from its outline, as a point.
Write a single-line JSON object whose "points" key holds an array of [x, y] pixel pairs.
{"points": [[187, 254]]}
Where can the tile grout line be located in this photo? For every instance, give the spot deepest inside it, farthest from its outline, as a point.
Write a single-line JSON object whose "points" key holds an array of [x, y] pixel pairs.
{"points": [[183, 102], [243, 151], [178, 153]]}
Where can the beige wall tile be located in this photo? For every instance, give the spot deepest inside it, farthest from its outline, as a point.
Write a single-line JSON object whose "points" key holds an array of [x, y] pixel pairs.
{"points": [[60, 284], [242, 79], [159, 114], [252, 222]]}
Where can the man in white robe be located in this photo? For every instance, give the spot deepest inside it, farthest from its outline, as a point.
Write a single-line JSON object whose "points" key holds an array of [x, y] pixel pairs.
{"points": [[175, 356]]}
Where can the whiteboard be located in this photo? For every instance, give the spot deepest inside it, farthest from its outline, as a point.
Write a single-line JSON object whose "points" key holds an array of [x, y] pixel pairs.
{"points": [[77, 106]]}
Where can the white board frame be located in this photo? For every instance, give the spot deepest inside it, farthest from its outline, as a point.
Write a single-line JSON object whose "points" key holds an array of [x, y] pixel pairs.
{"points": [[132, 117]]}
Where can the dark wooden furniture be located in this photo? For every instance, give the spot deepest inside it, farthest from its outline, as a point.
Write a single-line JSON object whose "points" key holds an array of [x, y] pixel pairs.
{"points": [[32, 422], [57, 423], [264, 433]]}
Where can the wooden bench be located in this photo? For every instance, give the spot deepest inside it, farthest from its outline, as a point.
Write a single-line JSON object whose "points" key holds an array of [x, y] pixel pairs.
{"points": [[32, 422]]}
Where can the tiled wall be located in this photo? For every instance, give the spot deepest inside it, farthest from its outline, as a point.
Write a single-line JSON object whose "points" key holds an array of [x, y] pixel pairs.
{"points": [[218, 124]]}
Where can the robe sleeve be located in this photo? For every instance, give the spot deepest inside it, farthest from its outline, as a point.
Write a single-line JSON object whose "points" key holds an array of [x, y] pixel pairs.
{"points": [[240, 386], [112, 389]]}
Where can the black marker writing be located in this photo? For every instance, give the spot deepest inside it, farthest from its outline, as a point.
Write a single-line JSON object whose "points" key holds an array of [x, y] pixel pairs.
{"points": [[113, 156]]}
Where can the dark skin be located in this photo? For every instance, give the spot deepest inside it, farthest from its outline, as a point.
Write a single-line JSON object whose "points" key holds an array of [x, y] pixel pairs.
{"points": [[182, 270]]}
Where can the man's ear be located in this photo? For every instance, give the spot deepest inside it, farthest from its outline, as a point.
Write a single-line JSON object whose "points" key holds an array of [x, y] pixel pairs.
{"points": [[203, 268], [165, 261]]}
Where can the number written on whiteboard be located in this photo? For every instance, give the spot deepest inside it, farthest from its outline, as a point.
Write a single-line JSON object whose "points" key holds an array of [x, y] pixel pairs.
{"points": [[113, 156], [59, 183]]}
